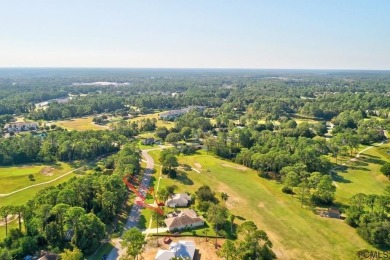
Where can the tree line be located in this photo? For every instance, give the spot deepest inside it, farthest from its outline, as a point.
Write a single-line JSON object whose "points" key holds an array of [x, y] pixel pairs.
{"points": [[74, 213]]}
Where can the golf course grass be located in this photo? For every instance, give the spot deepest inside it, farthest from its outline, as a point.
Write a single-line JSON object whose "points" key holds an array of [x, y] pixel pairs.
{"points": [[296, 233], [22, 197], [17, 177], [363, 174], [80, 124]]}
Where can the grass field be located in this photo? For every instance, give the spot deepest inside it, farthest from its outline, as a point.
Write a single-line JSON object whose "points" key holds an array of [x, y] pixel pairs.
{"points": [[24, 196], [159, 123], [296, 233], [80, 124], [363, 175], [16, 177]]}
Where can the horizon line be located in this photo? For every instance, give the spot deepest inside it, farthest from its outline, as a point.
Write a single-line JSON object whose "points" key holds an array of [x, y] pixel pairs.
{"points": [[191, 68]]}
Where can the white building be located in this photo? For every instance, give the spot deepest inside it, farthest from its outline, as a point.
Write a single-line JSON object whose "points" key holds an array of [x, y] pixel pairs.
{"points": [[20, 126], [182, 249], [178, 200]]}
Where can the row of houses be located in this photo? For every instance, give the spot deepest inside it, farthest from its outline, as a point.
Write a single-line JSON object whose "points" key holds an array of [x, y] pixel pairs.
{"points": [[173, 114], [20, 126]]}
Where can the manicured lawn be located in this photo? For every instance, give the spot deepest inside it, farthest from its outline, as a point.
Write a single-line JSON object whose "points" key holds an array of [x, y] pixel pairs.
{"points": [[102, 250], [80, 124], [25, 195], [296, 233], [16, 177], [363, 175]]}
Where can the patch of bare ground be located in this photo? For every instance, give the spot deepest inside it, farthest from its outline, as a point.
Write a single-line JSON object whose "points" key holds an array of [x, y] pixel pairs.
{"points": [[47, 171], [234, 200], [198, 165], [237, 167], [204, 250]]}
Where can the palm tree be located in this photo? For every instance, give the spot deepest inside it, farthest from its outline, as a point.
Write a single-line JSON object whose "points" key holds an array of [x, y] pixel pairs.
{"points": [[19, 210], [205, 231], [224, 197], [232, 217], [4, 212]]}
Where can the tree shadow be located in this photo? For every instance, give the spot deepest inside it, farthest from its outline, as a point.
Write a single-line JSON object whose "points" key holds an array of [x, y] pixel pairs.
{"points": [[241, 218], [374, 161], [182, 177], [142, 222], [359, 168], [368, 155], [340, 168], [359, 163], [338, 178]]}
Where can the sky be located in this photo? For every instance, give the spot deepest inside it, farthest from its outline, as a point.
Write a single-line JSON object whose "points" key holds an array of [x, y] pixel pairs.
{"points": [[273, 34]]}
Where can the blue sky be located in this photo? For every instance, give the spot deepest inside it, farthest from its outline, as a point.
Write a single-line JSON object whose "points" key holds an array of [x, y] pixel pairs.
{"points": [[300, 34]]}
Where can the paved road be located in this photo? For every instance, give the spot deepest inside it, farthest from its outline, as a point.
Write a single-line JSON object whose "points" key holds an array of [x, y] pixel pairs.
{"points": [[135, 212]]}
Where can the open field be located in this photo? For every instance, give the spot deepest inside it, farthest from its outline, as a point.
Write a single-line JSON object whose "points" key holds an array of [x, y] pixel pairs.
{"points": [[296, 232], [363, 175], [80, 124], [16, 177], [159, 123]]}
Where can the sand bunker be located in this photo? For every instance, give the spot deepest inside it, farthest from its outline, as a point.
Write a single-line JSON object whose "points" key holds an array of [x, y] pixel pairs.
{"points": [[47, 171]]}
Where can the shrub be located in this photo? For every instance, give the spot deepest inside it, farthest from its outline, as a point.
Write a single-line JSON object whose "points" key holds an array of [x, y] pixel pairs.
{"points": [[287, 190]]}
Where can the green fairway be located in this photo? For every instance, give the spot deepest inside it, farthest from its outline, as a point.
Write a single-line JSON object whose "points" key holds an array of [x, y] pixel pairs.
{"points": [[296, 233], [16, 177], [25, 195], [363, 175], [80, 124]]}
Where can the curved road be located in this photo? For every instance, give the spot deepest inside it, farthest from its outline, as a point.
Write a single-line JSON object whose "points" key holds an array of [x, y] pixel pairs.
{"points": [[135, 212]]}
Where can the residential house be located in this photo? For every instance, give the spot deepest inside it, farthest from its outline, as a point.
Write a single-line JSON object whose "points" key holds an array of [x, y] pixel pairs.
{"points": [[182, 250], [173, 114], [148, 141], [20, 126], [50, 256], [186, 218], [334, 213], [178, 200]]}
